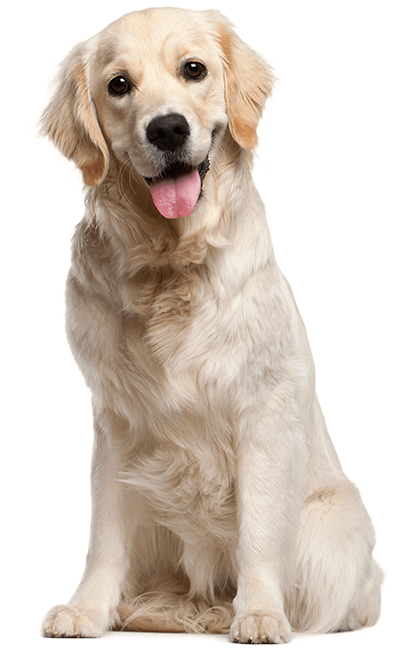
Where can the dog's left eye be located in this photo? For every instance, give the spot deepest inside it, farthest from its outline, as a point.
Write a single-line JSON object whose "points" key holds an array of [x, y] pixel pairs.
{"points": [[194, 70], [120, 85]]}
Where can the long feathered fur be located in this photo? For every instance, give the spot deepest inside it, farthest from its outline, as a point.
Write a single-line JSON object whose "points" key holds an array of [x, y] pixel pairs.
{"points": [[219, 502]]}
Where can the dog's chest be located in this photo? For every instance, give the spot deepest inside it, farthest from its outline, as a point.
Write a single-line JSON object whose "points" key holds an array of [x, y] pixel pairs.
{"points": [[194, 348]]}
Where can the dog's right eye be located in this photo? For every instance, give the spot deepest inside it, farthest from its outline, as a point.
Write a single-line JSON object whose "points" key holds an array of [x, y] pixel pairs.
{"points": [[120, 85]]}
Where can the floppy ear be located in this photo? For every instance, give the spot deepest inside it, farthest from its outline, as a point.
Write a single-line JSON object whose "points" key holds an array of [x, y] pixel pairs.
{"points": [[70, 120], [248, 83]]}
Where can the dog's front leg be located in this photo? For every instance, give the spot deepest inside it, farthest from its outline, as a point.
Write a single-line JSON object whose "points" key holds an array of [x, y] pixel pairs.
{"points": [[92, 608], [266, 519]]}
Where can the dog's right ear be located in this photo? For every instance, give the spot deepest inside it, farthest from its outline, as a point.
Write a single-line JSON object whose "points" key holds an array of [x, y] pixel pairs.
{"points": [[70, 120]]}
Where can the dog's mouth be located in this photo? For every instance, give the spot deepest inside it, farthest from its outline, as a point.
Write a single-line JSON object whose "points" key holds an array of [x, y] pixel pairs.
{"points": [[178, 189]]}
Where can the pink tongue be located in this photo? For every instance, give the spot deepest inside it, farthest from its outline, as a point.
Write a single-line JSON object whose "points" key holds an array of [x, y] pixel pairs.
{"points": [[177, 197]]}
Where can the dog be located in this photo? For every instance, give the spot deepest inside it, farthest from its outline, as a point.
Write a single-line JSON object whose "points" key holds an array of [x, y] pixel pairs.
{"points": [[219, 504]]}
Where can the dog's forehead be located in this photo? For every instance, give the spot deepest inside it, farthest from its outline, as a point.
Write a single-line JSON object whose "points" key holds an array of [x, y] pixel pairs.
{"points": [[150, 36]]}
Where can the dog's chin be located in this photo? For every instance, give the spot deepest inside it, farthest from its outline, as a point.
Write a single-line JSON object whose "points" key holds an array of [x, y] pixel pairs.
{"points": [[178, 188]]}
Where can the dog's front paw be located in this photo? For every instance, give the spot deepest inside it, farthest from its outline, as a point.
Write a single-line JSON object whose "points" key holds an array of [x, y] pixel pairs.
{"points": [[260, 627], [68, 621]]}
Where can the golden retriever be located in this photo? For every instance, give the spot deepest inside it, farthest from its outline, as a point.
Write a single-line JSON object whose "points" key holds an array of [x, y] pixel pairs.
{"points": [[218, 500]]}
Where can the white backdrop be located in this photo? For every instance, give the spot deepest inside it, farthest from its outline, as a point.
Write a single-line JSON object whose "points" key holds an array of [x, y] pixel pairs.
{"points": [[329, 174]]}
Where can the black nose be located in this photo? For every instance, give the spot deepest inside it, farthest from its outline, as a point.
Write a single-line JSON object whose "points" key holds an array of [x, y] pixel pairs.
{"points": [[168, 132]]}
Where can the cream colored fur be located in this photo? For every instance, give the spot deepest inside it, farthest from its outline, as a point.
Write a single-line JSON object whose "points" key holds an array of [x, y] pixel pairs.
{"points": [[219, 502]]}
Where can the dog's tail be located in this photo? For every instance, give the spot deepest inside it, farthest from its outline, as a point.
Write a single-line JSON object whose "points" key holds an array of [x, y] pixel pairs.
{"points": [[168, 612]]}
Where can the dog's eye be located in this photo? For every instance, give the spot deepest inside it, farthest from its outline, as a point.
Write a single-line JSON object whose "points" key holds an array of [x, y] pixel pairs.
{"points": [[120, 85], [194, 71]]}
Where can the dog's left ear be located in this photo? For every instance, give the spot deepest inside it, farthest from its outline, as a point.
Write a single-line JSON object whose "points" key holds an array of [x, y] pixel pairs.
{"points": [[70, 120], [248, 83]]}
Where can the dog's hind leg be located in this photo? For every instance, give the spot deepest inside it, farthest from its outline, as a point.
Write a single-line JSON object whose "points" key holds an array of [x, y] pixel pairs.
{"points": [[336, 582]]}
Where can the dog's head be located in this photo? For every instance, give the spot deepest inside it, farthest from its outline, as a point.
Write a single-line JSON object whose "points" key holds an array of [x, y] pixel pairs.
{"points": [[156, 90]]}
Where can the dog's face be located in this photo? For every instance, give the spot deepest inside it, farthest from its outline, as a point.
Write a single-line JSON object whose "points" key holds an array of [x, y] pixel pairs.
{"points": [[155, 91], [159, 90], [159, 93]]}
